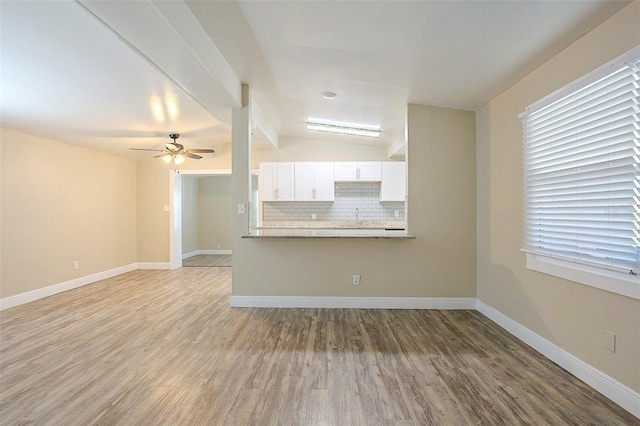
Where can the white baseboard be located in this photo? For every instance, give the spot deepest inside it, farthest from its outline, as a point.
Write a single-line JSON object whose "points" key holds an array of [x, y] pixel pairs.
{"points": [[153, 265], [352, 302], [197, 252], [214, 251], [190, 254], [619, 393], [30, 296]]}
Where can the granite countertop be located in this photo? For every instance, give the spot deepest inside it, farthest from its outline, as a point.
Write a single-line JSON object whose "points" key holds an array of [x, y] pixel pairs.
{"points": [[297, 233], [332, 224]]}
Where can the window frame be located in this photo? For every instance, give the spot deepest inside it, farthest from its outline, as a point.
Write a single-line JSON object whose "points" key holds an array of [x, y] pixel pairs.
{"points": [[615, 281]]}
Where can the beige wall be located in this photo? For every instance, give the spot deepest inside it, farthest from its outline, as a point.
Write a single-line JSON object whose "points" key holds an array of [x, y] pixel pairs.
{"points": [[214, 204], [153, 182], [297, 149], [571, 315], [153, 195], [439, 263], [190, 212], [61, 203]]}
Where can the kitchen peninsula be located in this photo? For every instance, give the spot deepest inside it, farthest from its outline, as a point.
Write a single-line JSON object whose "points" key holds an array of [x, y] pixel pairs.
{"points": [[332, 200]]}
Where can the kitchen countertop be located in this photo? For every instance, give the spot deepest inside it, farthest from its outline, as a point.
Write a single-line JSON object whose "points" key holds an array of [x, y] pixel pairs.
{"points": [[297, 233]]}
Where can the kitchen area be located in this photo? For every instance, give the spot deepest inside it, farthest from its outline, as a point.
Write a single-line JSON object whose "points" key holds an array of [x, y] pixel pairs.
{"points": [[331, 200]]}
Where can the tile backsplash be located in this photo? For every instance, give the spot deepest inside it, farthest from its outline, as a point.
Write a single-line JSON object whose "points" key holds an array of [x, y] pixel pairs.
{"points": [[365, 196]]}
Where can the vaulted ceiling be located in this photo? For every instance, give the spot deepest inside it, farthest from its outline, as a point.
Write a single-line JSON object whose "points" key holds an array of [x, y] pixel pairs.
{"points": [[112, 75]]}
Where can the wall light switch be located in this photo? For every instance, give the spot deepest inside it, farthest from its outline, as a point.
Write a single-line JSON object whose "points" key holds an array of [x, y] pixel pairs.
{"points": [[241, 208]]}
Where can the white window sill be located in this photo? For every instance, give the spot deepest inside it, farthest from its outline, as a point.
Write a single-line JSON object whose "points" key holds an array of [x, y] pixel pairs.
{"points": [[615, 282]]}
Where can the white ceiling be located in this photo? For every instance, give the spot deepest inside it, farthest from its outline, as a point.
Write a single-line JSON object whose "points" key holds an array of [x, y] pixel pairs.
{"points": [[114, 75]]}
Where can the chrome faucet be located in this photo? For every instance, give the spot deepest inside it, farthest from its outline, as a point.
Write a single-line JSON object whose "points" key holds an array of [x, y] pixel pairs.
{"points": [[358, 220]]}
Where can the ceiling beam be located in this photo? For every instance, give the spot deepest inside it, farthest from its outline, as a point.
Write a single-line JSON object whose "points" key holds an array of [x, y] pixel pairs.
{"points": [[170, 38]]}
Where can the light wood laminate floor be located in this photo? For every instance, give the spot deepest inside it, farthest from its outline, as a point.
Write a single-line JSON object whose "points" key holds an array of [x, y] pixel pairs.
{"points": [[208, 260], [165, 348]]}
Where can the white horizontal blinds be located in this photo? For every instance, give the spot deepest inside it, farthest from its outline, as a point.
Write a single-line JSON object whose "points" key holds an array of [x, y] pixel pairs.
{"points": [[582, 165]]}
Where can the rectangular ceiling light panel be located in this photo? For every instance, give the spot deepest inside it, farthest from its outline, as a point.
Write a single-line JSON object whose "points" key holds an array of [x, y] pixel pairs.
{"points": [[343, 129]]}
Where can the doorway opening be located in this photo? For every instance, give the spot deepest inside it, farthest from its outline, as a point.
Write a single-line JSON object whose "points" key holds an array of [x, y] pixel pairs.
{"points": [[200, 223]]}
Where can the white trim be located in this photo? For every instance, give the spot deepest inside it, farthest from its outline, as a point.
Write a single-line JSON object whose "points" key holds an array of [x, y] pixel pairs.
{"points": [[615, 282], [175, 209], [175, 219], [30, 296], [197, 252], [154, 265], [619, 393], [205, 172], [190, 254], [214, 251], [352, 302]]}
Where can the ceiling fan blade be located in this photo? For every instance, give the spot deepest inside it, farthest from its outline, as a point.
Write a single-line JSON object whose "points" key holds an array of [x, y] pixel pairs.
{"points": [[190, 155], [161, 155], [145, 149], [203, 151]]}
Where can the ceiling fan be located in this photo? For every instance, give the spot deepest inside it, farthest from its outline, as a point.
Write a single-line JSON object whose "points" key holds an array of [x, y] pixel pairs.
{"points": [[175, 152]]}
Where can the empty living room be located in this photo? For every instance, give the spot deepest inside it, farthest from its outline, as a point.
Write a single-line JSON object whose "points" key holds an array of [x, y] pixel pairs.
{"points": [[320, 212]]}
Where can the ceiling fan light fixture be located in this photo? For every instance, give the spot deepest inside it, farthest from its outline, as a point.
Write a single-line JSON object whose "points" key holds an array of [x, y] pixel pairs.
{"points": [[176, 153], [178, 159]]}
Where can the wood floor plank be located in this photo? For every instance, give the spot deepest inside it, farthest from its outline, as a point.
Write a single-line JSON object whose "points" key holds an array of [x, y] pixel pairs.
{"points": [[164, 347], [208, 260]]}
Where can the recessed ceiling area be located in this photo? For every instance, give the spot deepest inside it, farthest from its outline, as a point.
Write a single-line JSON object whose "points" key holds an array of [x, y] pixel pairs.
{"points": [[114, 75]]}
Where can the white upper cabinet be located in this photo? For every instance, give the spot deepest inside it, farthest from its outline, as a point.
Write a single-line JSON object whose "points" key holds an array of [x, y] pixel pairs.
{"points": [[367, 171], [314, 182], [394, 181], [370, 171], [267, 181], [284, 190], [308, 181], [324, 182], [303, 181], [346, 172], [276, 181]]}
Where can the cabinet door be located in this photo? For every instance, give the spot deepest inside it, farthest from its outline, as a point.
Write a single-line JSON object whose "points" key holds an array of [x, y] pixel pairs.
{"points": [[303, 181], [284, 181], [346, 172], [370, 171], [323, 182], [393, 187], [267, 182]]}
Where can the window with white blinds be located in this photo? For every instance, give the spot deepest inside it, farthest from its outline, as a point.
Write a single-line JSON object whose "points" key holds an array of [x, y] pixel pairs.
{"points": [[582, 170]]}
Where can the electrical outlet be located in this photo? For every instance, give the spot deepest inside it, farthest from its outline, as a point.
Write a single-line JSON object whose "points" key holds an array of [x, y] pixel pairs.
{"points": [[241, 208], [396, 213], [356, 280], [76, 264], [313, 216]]}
